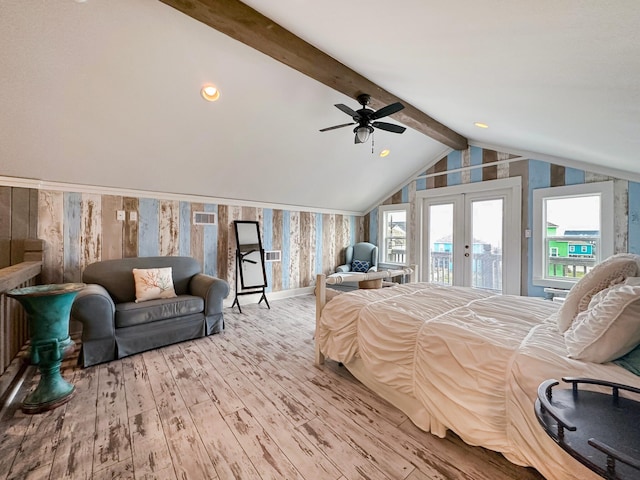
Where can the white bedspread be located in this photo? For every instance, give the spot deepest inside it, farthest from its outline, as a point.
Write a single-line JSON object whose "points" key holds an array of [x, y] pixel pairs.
{"points": [[474, 360]]}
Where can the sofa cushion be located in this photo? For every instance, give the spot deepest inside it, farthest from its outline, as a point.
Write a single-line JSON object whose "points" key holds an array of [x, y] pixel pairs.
{"points": [[132, 313]]}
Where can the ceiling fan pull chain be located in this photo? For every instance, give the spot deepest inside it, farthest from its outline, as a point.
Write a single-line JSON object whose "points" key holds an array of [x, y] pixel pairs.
{"points": [[372, 134]]}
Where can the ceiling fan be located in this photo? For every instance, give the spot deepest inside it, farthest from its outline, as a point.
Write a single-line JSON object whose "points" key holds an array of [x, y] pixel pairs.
{"points": [[364, 118]]}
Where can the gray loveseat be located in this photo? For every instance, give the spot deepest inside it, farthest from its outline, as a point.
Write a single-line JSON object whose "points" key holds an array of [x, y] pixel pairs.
{"points": [[114, 326]]}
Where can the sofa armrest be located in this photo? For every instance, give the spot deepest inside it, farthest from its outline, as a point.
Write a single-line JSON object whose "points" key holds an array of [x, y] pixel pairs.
{"points": [[94, 308], [213, 290], [343, 268]]}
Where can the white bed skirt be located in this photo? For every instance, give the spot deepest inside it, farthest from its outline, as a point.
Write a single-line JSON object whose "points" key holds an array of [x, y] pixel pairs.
{"points": [[407, 404]]}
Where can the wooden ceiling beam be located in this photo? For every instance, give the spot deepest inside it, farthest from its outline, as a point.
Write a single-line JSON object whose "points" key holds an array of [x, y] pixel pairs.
{"points": [[243, 23]]}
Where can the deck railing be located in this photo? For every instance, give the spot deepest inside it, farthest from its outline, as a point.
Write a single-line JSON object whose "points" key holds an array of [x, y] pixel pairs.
{"points": [[14, 328], [440, 270], [486, 270], [397, 257], [570, 267], [14, 331]]}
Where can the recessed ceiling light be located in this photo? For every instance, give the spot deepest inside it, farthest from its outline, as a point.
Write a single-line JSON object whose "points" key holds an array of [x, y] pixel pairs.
{"points": [[385, 152], [210, 93], [481, 125]]}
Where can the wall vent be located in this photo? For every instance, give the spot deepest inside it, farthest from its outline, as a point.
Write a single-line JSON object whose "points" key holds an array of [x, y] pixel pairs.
{"points": [[204, 218], [273, 256]]}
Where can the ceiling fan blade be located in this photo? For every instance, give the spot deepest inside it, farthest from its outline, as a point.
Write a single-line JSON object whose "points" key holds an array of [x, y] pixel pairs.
{"points": [[337, 126], [349, 111], [389, 127], [388, 110]]}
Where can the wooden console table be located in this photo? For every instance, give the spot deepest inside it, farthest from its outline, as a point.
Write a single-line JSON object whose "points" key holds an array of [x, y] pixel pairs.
{"points": [[601, 430]]}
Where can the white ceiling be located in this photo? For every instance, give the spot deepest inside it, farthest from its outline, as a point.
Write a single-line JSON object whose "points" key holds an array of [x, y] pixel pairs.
{"points": [[106, 93]]}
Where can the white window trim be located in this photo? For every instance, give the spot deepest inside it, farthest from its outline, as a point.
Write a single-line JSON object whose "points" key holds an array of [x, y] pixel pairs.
{"points": [[382, 209], [606, 192]]}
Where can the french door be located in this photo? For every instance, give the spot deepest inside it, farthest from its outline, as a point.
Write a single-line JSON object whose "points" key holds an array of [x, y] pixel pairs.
{"points": [[471, 235]]}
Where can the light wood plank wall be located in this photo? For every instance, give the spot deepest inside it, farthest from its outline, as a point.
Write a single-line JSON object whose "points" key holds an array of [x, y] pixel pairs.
{"points": [[81, 228], [18, 221], [535, 174]]}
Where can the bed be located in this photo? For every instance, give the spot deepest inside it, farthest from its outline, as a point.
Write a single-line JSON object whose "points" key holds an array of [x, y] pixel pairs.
{"points": [[462, 359]]}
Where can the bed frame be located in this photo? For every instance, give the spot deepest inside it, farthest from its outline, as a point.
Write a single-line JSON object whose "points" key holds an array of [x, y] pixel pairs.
{"points": [[323, 280]]}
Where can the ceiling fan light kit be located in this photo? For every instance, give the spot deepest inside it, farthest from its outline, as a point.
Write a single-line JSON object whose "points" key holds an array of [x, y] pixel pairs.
{"points": [[365, 117], [362, 133]]}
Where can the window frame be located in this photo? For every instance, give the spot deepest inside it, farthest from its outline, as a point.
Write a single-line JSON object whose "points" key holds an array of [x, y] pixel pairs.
{"points": [[607, 233], [382, 253]]}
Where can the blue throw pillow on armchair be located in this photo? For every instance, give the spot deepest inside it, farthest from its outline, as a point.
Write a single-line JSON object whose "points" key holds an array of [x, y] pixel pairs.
{"points": [[360, 266]]}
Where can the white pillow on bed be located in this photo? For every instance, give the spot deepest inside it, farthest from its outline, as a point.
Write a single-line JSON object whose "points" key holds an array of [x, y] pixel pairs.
{"points": [[612, 271], [610, 327]]}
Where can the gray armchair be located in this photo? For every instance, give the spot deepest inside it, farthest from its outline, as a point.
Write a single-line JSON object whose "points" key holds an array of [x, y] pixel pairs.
{"points": [[361, 257]]}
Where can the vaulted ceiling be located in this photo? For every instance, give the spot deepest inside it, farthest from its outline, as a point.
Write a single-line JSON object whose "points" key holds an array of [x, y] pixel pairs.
{"points": [[107, 92]]}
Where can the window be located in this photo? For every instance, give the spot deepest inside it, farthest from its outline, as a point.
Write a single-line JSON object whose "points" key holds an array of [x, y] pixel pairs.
{"points": [[574, 224], [392, 232]]}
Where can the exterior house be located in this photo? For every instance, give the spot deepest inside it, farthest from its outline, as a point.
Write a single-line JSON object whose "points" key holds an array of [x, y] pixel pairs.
{"points": [[571, 244], [445, 244]]}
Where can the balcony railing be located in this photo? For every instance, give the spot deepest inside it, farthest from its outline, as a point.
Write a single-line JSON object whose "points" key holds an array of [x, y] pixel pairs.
{"points": [[13, 320], [441, 268], [397, 256], [486, 270], [570, 267], [14, 330]]}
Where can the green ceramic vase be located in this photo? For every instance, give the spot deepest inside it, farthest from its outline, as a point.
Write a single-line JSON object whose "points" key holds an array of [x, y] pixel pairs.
{"points": [[48, 308]]}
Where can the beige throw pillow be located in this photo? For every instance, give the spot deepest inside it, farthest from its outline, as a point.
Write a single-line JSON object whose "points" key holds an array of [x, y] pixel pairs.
{"points": [[153, 283], [609, 328], [612, 271]]}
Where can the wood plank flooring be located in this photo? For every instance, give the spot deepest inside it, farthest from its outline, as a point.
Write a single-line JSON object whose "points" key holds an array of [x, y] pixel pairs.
{"points": [[245, 404]]}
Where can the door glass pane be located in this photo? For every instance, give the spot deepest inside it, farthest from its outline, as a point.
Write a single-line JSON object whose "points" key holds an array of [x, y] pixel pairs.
{"points": [[441, 243], [486, 244]]}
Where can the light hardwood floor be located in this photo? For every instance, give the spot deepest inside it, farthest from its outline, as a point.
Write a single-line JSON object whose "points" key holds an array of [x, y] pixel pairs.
{"points": [[245, 404]]}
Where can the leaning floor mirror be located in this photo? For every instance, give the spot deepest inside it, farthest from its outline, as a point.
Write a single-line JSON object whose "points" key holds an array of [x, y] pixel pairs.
{"points": [[249, 261]]}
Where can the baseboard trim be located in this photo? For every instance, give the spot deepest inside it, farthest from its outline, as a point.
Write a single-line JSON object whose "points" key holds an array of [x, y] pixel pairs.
{"points": [[280, 294]]}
